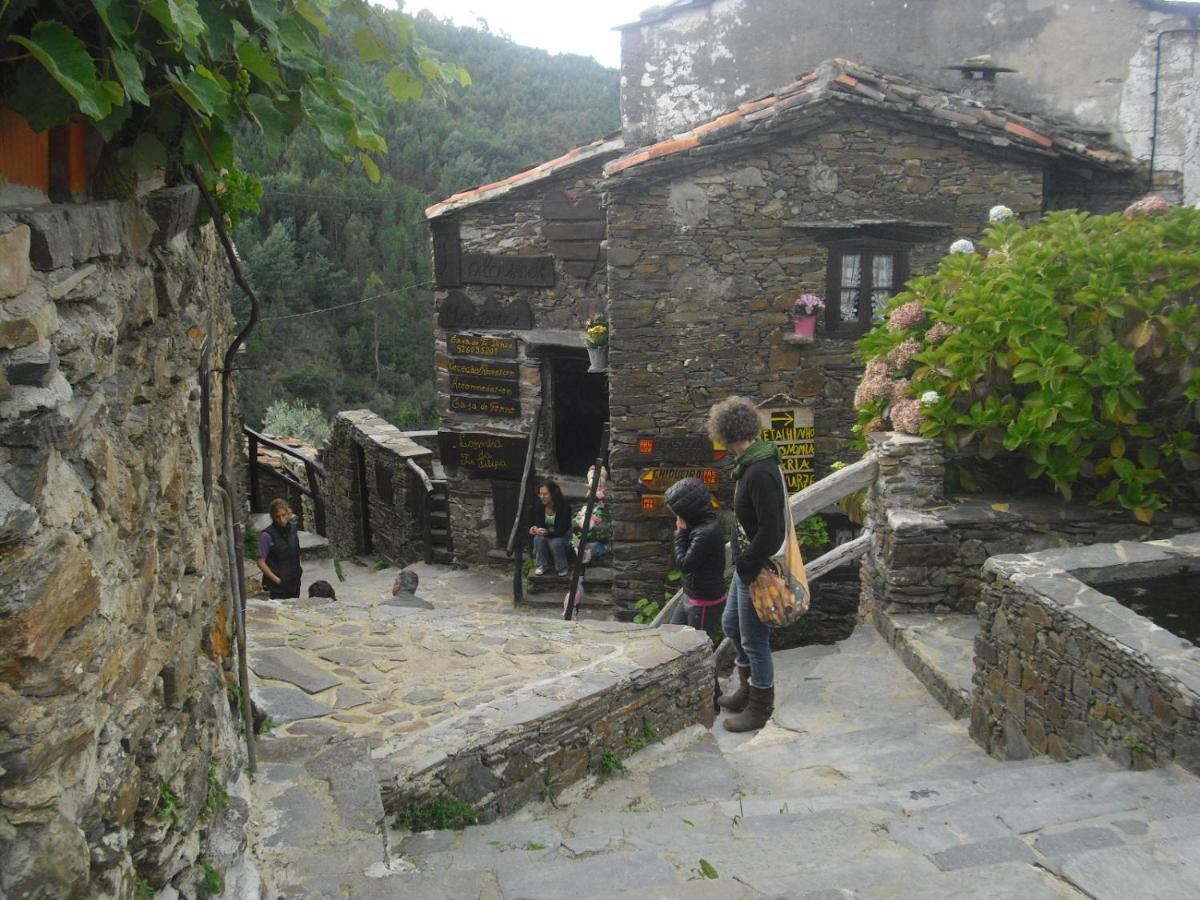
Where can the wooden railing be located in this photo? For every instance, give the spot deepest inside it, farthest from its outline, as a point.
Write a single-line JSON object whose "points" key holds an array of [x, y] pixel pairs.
{"points": [[805, 503], [421, 507], [313, 471], [516, 541]]}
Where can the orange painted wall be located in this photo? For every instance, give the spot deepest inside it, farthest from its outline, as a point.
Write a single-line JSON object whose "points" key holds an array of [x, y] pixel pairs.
{"points": [[24, 153]]}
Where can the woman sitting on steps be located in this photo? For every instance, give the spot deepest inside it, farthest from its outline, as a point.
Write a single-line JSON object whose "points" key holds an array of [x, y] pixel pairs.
{"points": [[551, 529]]}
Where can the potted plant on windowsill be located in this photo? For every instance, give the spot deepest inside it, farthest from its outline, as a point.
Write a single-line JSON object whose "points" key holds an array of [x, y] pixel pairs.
{"points": [[597, 342], [805, 310]]}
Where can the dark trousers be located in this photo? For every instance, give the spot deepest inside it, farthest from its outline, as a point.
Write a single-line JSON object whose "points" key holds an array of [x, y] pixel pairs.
{"points": [[702, 618]]}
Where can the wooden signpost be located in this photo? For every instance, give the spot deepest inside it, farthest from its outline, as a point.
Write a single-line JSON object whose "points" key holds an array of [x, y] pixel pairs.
{"points": [[662, 477], [793, 432], [486, 347], [485, 406], [677, 449], [487, 387], [493, 455], [512, 271]]}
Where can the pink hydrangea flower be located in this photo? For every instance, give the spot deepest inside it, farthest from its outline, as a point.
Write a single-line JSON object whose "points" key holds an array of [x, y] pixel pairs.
{"points": [[906, 415], [906, 316], [900, 388], [1153, 205], [939, 332], [876, 385], [902, 354]]}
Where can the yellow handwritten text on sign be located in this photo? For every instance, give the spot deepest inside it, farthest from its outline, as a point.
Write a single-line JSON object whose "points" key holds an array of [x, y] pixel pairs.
{"points": [[797, 481], [481, 368], [472, 345], [796, 464], [800, 448], [779, 435]]}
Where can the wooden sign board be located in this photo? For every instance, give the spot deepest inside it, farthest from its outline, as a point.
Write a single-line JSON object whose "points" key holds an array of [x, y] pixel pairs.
{"points": [[481, 368], [793, 432], [678, 449], [488, 387], [512, 271], [493, 455], [662, 477], [485, 406], [474, 345]]}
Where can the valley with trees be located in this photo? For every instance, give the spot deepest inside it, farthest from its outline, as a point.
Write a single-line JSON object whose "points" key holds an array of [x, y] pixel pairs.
{"points": [[343, 265]]}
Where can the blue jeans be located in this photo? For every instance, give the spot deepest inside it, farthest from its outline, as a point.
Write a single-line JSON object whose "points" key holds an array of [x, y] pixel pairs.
{"points": [[751, 638], [545, 547]]}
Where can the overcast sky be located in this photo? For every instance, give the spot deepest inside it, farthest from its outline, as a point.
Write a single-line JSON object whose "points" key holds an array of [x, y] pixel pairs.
{"points": [[560, 26]]}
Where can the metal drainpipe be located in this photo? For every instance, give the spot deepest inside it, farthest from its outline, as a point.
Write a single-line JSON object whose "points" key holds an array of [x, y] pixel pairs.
{"points": [[239, 607], [1157, 76]]}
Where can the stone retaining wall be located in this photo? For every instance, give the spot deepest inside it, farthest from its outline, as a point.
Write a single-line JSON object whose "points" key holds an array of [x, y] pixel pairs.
{"points": [[114, 619], [1062, 669], [389, 489], [554, 733]]}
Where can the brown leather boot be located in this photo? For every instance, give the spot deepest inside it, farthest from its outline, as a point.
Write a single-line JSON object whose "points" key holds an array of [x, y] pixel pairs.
{"points": [[737, 701], [758, 711]]}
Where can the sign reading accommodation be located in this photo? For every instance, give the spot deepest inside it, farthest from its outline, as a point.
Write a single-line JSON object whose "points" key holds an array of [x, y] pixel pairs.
{"points": [[513, 271], [487, 347], [491, 455], [488, 387], [792, 431]]}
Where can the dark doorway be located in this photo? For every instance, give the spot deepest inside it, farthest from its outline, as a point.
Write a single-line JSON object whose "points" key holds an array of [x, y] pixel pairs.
{"points": [[580, 411]]}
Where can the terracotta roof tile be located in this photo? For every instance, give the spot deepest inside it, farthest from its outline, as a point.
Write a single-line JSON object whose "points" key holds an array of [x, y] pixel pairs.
{"points": [[1029, 134], [608, 146]]}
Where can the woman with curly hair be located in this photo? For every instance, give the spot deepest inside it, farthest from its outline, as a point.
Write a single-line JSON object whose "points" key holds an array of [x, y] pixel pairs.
{"points": [[758, 504]]}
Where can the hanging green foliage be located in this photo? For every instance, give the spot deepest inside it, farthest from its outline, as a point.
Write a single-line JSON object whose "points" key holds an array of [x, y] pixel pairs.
{"points": [[1073, 344], [169, 82]]}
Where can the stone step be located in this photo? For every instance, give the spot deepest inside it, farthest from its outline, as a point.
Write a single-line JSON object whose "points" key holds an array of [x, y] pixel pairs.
{"points": [[939, 649]]}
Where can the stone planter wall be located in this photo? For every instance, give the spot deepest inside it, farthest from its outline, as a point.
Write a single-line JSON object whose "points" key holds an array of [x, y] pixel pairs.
{"points": [[1062, 669], [114, 581], [389, 489], [928, 551]]}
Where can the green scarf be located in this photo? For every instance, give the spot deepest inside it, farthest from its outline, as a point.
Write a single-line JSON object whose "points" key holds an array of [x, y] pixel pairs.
{"points": [[758, 450]]}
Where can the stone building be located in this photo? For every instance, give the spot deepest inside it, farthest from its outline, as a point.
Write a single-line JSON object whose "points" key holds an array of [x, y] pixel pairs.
{"points": [[116, 732], [843, 183], [1126, 67]]}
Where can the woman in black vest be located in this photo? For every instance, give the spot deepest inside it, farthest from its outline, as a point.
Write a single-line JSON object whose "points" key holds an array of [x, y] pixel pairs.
{"points": [[279, 553]]}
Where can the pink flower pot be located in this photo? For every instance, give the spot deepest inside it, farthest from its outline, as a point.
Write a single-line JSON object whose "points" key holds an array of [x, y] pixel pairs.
{"points": [[805, 325]]}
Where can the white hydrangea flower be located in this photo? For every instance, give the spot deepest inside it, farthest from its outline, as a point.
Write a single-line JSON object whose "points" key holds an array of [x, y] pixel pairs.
{"points": [[1000, 214], [930, 397], [962, 245]]}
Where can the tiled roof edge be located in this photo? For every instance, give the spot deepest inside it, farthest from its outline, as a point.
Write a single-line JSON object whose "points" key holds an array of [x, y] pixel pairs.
{"points": [[607, 145]]}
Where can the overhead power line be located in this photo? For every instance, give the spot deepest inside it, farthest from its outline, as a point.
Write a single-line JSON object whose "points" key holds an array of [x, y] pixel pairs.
{"points": [[325, 309]]}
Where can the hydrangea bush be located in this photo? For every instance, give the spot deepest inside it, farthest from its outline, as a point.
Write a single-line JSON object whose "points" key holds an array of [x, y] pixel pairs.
{"points": [[1073, 344]]}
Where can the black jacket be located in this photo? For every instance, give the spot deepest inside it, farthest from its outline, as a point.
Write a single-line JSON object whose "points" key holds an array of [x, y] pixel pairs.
{"points": [[758, 504], [699, 548], [562, 519]]}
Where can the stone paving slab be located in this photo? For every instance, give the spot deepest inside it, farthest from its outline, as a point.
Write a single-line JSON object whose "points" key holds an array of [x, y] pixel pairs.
{"points": [[939, 649]]}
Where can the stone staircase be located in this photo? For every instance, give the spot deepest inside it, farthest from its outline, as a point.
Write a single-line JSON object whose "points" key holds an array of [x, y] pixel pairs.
{"points": [[861, 786]]}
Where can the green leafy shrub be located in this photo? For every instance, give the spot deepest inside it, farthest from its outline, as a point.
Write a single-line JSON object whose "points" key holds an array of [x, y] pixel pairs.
{"points": [[296, 419], [812, 532], [438, 814], [1072, 345], [646, 611]]}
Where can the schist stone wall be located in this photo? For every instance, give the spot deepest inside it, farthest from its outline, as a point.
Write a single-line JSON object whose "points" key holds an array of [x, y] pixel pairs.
{"points": [[705, 256], [517, 278], [928, 551], [1063, 669], [367, 460], [114, 583], [1096, 63]]}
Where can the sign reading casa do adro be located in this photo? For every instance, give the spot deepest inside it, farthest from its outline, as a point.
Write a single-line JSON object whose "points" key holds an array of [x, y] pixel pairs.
{"points": [[792, 431]]}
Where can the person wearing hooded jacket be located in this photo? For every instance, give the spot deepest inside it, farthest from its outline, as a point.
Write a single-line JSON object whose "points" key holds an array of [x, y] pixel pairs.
{"points": [[700, 553]]}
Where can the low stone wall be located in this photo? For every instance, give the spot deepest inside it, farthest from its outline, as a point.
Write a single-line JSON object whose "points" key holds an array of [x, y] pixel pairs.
{"points": [[928, 551], [1062, 669], [114, 622], [367, 462], [551, 734]]}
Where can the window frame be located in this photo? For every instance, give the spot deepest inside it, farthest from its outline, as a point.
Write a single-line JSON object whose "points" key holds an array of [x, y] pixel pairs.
{"points": [[868, 248]]}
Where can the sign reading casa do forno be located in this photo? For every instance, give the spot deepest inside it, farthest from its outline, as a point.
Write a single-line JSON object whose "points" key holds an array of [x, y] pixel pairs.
{"points": [[513, 271], [491, 455], [792, 431], [485, 406]]}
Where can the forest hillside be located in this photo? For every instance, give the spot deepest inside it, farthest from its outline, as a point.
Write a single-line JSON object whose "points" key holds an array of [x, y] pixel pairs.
{"points": [[326, 238]]}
